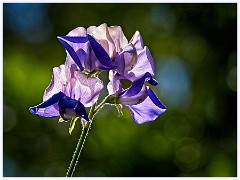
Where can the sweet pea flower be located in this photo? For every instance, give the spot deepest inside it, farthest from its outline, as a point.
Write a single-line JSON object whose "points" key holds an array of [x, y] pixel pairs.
{"points": [[68, 93], [143, 104], [135, 59], [94, 48]]}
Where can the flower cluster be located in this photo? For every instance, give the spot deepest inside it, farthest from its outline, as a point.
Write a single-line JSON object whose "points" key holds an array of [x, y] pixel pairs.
{"points": [[75, 85]]}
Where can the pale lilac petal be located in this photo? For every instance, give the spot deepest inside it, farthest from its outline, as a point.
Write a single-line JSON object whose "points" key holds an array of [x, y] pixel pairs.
{"points": [[144, 63], [118, 37], [148, 110], [137, 41], [86, 89], [90, 29], [101, 33], [114, 85], [79, 31], [57, 83]]}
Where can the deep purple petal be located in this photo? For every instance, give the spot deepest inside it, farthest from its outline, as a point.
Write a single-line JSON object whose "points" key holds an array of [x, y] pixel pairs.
{"points": [[71, 104], [81, 112], [74, 39], [101, 54], [148, 110], [153, 82], [72, 53], [155, 99], [135, 99], [136, 87], [52, 100], [67, 103], [48, 108]]}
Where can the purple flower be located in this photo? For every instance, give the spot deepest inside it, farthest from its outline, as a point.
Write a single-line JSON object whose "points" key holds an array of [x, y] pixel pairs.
{"points": [[143, 104], [135, 59], [68, 93], [93, 48]]}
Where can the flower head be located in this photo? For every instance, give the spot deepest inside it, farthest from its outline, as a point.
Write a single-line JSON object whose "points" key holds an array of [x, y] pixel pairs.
{"points": [[93, 48], [68, 93], [139, 98]]}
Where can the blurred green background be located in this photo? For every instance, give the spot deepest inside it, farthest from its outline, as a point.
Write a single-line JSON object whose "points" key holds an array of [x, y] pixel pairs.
{"points": [[194, 47]]}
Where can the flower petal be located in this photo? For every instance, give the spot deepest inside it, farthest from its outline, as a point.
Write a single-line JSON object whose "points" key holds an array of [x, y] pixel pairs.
{"points": [[144, 63], [148, 110], [71, 52], [57, 83], [67, 102], [79, 31], [137, 41], [81, 111], [86, 89], [114, 85], [66, 105], [74, 39], [137, 86], [100, 53], [49, 107]]}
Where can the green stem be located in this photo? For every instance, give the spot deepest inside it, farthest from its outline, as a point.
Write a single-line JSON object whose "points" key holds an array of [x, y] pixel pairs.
{"points": [[80, 144]]}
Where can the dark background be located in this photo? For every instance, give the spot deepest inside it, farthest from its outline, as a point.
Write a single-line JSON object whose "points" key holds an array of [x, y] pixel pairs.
{"points": [[194, 47]]}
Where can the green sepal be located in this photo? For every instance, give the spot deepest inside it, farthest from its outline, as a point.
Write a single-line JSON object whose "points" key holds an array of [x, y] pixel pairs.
{"points": [[61, 120], [112, 99], [72, 124]]}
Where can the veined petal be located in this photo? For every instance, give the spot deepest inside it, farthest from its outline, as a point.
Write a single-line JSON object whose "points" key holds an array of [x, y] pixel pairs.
{"points": [[86, 89], [100, 53], [57, 84], [148, 110], [118, 37], [71, 52]]}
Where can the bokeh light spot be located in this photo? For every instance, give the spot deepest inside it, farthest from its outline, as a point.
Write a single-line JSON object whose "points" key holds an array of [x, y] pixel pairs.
{"points": [[162, 20], [175, 81], [29, 21]]}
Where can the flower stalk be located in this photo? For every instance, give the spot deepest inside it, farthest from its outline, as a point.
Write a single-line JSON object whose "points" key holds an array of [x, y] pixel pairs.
{"points": [[85, 130]]}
